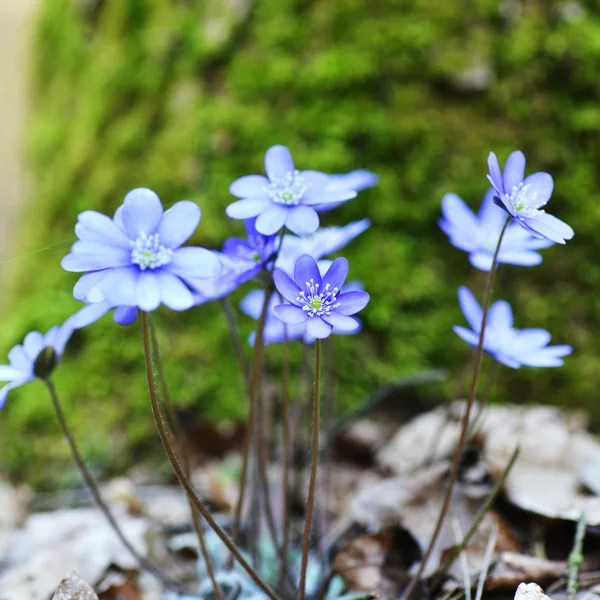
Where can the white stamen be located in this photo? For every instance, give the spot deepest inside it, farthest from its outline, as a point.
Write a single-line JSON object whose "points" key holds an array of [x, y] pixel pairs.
{"points": [[287, 190], [149, 253], [318, 303]]}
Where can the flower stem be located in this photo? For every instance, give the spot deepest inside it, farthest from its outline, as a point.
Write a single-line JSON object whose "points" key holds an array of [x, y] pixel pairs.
{"points": [[465, 420], [179, 439], [285, 478], [146, 563], [313, 470], [163, 432], [234, 334]]}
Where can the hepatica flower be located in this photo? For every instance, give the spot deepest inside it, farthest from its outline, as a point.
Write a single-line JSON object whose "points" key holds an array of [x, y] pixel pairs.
{"points": [[523, 197], [286, 197], [509, 346], [478, 234], [323, 242], [136, 259], [318, 302]]}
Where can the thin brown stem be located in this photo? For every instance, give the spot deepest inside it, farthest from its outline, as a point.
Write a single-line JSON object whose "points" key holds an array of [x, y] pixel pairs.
{"points": [[145, 562], [256, 357], [465, 421], [182, 455], [163, 432], [285, 477], [313, 470], [234, 334]]}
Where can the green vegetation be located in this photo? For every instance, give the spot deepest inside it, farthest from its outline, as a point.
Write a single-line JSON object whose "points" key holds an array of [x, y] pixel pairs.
{"points": [[184, 96]]}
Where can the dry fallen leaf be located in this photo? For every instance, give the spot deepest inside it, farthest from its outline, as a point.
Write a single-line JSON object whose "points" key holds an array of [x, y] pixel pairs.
{"points": [[72, 587], [512, 569]]}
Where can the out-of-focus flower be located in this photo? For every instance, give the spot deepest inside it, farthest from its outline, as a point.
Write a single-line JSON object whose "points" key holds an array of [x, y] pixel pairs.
{"points": [[318, 302], [321, 243], [124, 315], [136, 259], [509, 346], [285, 198], [523, 197], [355, 181], [478, 234]]}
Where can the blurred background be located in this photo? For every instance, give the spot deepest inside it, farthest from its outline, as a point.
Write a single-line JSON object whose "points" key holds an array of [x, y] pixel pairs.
{"points": [[184, 96]]}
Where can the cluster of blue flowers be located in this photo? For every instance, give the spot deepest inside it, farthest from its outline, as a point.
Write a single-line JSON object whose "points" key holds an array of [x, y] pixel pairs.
{"points": [[519, 199], [136, 261]]}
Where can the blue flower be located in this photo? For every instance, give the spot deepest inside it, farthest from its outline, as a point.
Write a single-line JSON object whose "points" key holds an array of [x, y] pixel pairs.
{"points": [[135, 259], [478, 234], [285, 198], [509, 346], [318, 302], [523, 197], [124, 315], [325, 241], [355, 181], [274, 329]]}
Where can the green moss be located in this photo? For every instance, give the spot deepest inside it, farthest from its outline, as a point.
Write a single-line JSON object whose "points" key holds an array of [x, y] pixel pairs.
{"points": [[183, 97]]}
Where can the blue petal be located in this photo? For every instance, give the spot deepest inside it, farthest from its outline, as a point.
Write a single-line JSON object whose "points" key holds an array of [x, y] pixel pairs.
{"points": [[306, 271], [336, 274], [317, 328], [238, 248], [18, 358], [460, 215], [286, 287], [252, 302], [178, 224], [250, 186], [302, 220], [342, 322], [248, 208], [33, 344], [272, 219], [471, 309], [495, 175], [560, 227], [523, 259], [532, 338], [352, 302], [542, 186], [292, 315], [148, 291], [490, 216], [97, 227], [173, 292], [514, 171], [118, 287], [11, 386], [86, 283], [539, 227], [278, 162], [142, 212], [125, 315], [357, 180], [94, 256], [88, 314], [500, 316], [467, 335], [195, 263], [10, 373]]}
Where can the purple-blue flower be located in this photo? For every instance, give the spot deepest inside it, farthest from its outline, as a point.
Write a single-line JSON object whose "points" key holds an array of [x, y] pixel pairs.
{"points": [[509, 346], [478, 234], [123, 315], [355, 181], [136, 259], [275, 331], [22, 358], [318, 302], [323, 242], [285, 198], [523, 197]]}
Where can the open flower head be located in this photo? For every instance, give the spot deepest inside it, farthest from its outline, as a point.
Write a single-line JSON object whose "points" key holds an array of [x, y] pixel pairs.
{"points": [[275, 330], [136, 259], [478, 234], [318, 302], [523, 197], [286, 197], [509, 346]]}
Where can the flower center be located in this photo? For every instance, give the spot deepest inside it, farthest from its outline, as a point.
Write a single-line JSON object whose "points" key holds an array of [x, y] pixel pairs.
{"points": [[287, 190], [256, 258], [525, 201], [149, 253], [316, 302]]}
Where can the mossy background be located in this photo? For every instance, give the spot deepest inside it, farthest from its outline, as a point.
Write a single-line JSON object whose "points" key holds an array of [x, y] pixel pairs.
{"points": [[185, 96]]}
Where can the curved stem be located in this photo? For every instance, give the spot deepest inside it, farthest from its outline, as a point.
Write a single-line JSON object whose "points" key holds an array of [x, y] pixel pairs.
{"points": [[146, 563], [313, 470], [179, 439], [163, 432], [465, 420]]}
